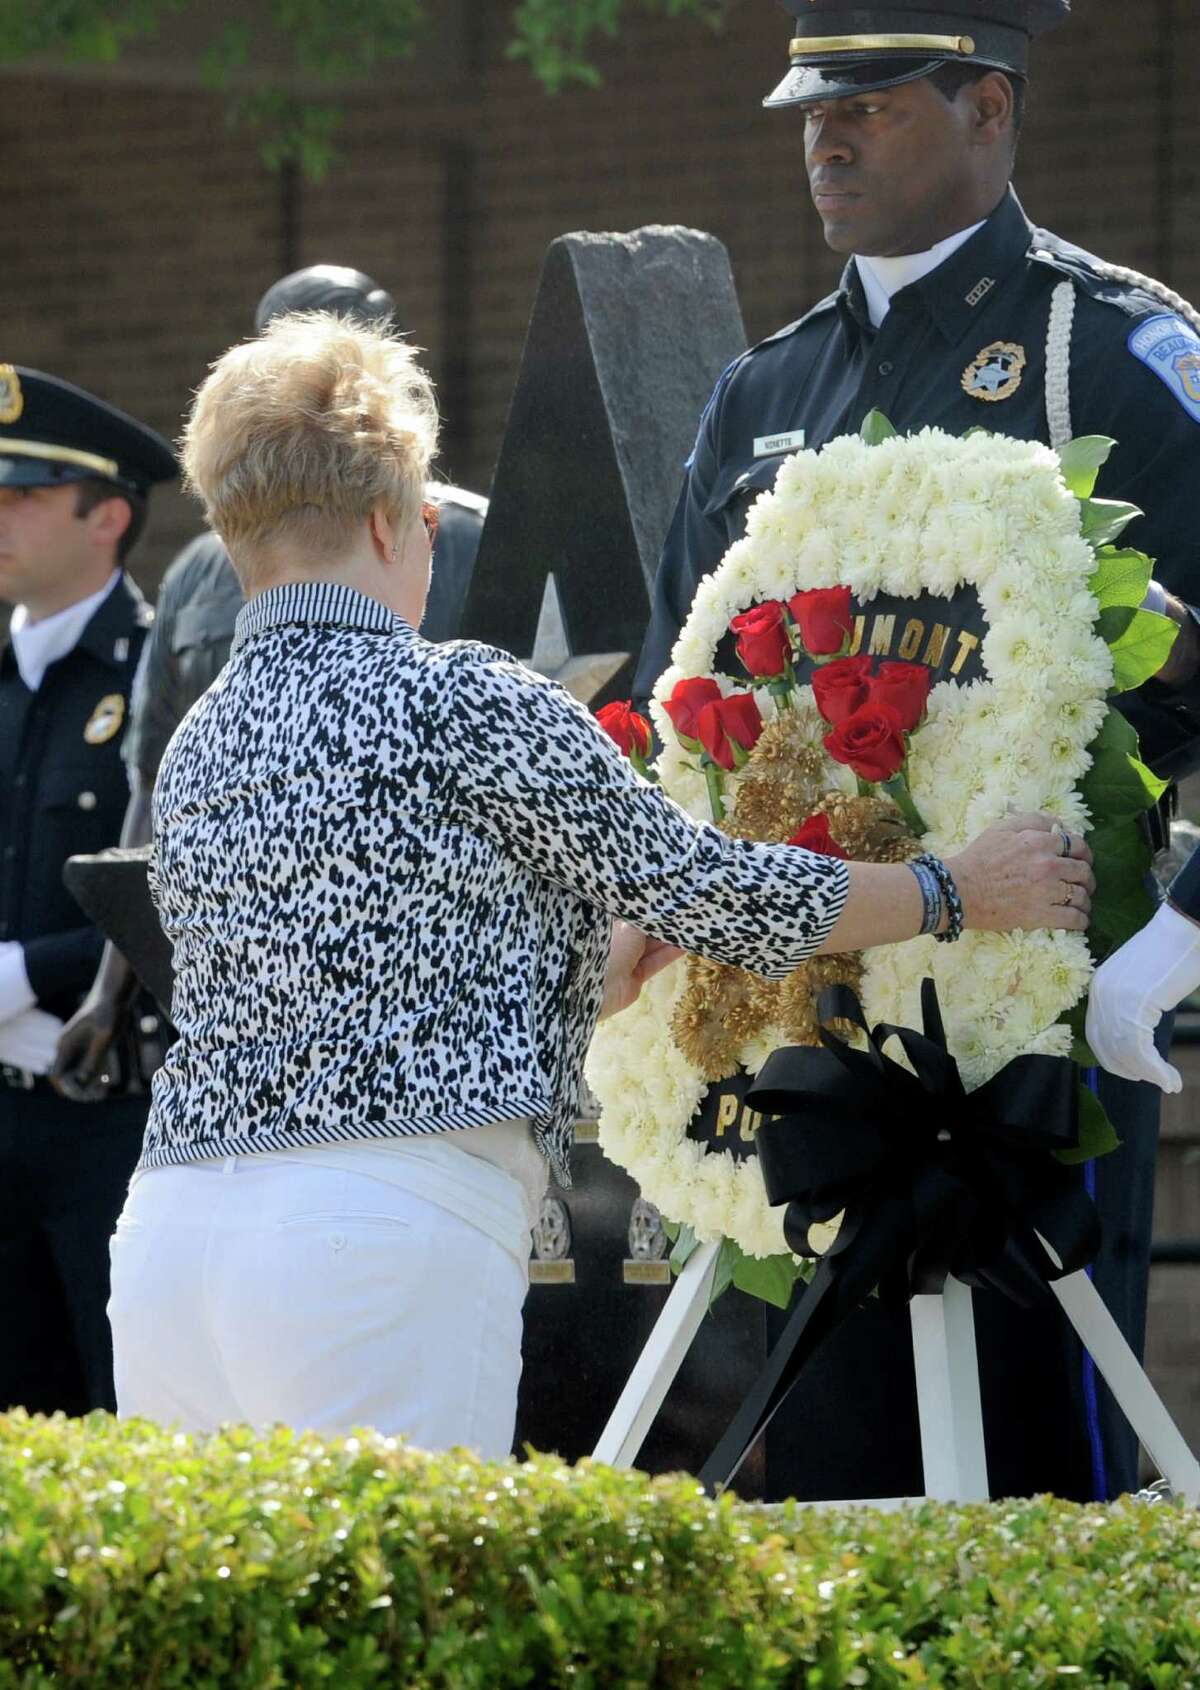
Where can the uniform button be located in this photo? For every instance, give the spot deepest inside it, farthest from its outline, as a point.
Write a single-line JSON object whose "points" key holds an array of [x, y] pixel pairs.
{"points": [[886, 368], [337, 1240], [10, 852], [86, 800], [19, 780]]}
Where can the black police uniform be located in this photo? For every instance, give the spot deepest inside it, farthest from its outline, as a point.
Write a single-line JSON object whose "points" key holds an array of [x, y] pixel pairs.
{"points": [[963, 347], [460, 524], [194, 616], [64, 1166], [198, 605]]}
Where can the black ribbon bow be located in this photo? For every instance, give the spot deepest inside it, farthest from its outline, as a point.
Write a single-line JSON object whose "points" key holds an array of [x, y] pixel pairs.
{"points": [[929, 1181]]}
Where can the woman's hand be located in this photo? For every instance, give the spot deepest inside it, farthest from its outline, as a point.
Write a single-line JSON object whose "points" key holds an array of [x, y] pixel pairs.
{"points": [[633, 959], [1023, 873]]}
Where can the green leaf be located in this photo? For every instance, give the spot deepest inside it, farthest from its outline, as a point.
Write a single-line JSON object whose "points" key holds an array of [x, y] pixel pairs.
{"points": [[1120, 849], [772, 1279], [1105, 520], [686, 1244], [1119, 785], [1121, 578], [1140, 651], [1082, 460], [1076, 1020], [1082, 1053], [1116, 734], [1097, 1135], [727, 1259], [876, 429], [1122, 905]]}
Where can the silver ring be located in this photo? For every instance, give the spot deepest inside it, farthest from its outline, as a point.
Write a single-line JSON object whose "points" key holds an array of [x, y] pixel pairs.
{"points": [[1067, 842]]}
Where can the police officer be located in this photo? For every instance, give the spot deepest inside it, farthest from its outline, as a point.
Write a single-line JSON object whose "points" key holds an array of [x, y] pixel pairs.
{"points": [[954, 311], [197, 606], [74, 478]]}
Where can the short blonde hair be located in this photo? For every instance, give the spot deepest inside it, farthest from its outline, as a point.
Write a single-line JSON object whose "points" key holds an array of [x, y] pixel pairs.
{"points": [[298, 435]]}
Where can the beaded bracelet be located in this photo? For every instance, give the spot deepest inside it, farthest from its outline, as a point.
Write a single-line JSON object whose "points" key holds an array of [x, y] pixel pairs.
{"points": [[931, 897], [955, 918]]}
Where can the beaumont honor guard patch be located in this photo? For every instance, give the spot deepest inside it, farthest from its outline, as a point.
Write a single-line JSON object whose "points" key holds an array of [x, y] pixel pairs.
{"points": [[1170, 346], [12, 400], [996, 373], [105, 720]]}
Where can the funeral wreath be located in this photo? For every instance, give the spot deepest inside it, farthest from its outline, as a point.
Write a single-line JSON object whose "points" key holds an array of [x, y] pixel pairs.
{"points": [[910, 732]]}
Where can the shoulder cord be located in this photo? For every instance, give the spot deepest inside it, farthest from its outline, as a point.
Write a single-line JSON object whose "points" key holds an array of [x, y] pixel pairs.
{"points": [[1134, 278], [1058, 365], [1058, 339]]}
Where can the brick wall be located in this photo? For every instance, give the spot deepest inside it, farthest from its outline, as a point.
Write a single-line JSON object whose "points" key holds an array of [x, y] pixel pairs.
{"points": [[139, 230]]}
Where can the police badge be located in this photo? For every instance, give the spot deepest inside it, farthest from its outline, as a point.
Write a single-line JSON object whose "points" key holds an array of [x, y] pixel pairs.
{"points": [[996, 373], [12, 400], [105, 721]]}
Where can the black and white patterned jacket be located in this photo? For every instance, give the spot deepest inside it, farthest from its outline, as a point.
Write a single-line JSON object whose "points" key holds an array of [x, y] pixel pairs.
{"points": [[388, 869]]}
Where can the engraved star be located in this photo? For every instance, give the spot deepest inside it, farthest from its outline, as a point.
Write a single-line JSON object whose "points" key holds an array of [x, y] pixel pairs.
{"points": [[583, 677]]}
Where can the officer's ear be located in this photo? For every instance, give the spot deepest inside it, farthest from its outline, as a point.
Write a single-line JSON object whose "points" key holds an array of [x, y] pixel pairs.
{"points": [[993, 104], [107, 513]]}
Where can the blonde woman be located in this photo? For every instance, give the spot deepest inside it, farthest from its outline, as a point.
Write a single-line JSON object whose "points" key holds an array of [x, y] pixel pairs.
{"points": [[389, 870]]}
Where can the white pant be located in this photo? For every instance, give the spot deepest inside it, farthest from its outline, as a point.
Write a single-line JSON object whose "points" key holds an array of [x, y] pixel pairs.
{"points": [[263, 1289]]}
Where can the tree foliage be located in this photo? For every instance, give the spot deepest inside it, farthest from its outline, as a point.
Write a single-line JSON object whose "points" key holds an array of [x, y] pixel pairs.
{"points": [[557, 37], [326, 40]]}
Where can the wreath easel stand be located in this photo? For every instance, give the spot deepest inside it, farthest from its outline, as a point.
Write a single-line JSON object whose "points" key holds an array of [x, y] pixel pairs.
{"points": [[947, 1373]]}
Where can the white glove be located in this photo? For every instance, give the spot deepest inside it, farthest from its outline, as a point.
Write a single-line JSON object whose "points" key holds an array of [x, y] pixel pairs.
{"points": [[16, 994], [30, 1040], [1132, 992]]}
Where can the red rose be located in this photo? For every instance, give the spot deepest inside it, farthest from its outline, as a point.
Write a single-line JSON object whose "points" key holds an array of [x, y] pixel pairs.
{"points": [[841, 688], [871, 742], [686, 702], [729, 722], [763, 643], [824, 619], [623, 725], [904, 688], [815, 836]]}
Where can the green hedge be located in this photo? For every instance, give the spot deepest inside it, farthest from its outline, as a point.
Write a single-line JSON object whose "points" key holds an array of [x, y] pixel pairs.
{"points": [[135, 1557]]}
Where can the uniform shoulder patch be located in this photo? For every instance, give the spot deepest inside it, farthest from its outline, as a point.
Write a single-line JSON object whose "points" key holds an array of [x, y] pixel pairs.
{"points": [[1170, 346]]}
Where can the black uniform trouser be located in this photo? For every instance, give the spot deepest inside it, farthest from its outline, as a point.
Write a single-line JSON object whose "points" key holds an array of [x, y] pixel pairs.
{"points": [[850, 1427], [64, 1170]]}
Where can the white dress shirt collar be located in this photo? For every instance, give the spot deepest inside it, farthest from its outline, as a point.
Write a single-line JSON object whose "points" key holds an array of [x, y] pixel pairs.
{"points": [[882, 278], [36, 645]]}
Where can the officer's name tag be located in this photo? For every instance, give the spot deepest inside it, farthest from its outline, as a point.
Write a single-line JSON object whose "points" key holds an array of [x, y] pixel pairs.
{"points": [[1170, 346], [771, 445]]}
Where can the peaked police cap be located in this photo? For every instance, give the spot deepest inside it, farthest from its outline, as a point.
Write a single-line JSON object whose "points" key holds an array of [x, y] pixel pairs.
{"points": [[838, 49], [52, 432]]}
